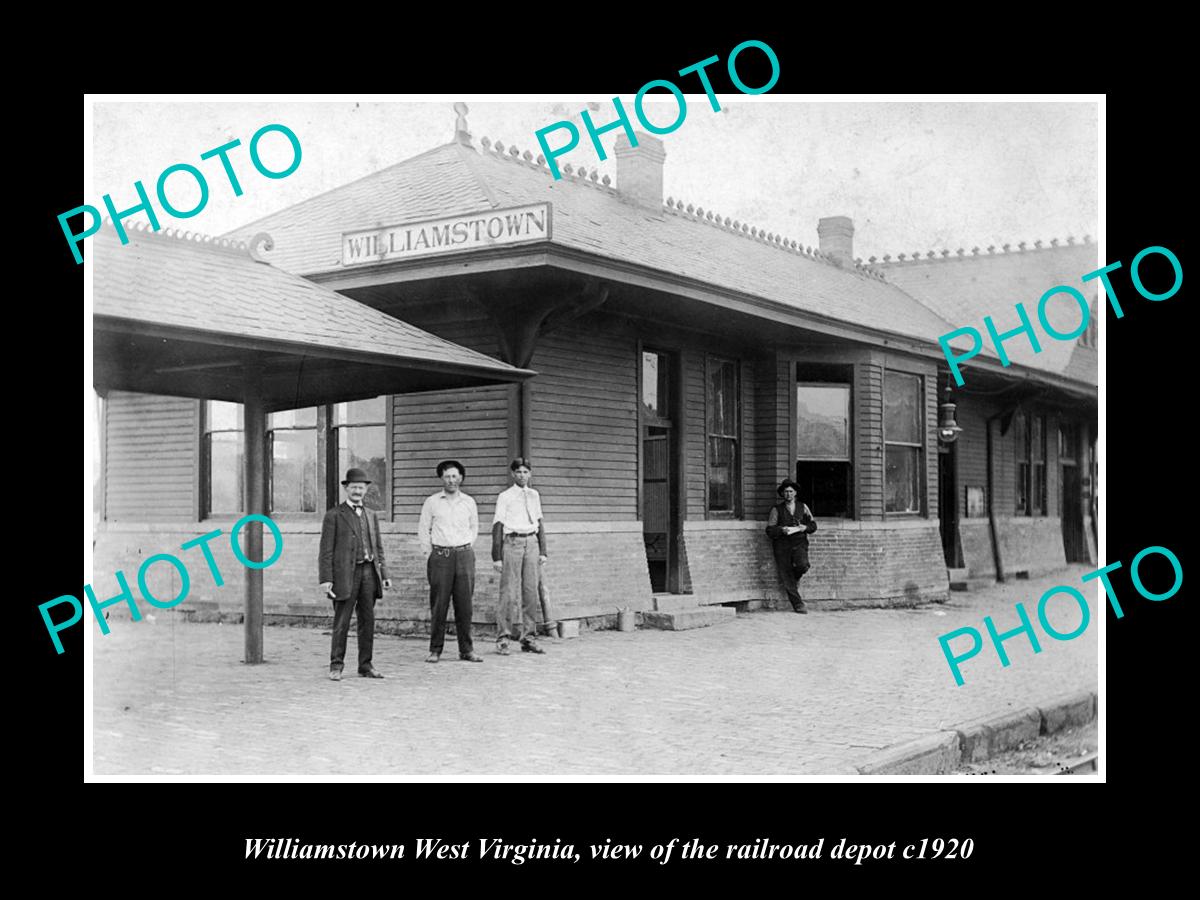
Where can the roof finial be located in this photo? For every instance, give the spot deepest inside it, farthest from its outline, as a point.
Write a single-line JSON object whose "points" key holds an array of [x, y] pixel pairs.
{"points": [[461, 134]]}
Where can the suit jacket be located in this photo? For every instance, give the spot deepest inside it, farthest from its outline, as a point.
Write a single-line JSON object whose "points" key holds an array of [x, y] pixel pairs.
{"points": [[340, 550]]}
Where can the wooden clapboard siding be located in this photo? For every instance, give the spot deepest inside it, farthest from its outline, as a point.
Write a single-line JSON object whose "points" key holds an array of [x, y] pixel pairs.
{"points": [[931, 443], [583, 422], [695, 474], [868, 440], [770, 448], [470, 425], [749, 440], [1053, 469], [971, 449], [151, 458], [1004, 447]]}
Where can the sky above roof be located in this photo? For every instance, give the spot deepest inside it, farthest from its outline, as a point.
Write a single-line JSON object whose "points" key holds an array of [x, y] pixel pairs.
{"points": [[913, 176]]}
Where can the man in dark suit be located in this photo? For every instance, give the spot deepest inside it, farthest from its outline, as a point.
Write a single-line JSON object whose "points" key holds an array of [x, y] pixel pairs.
{"points": [[351, 571]]}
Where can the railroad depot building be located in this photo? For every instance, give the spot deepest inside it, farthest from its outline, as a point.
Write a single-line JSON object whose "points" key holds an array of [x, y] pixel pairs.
{"points": [[685, 363]]}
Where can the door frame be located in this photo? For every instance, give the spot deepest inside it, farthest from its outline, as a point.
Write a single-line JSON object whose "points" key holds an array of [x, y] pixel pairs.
{"points": [[947, 456], [675, 453]]}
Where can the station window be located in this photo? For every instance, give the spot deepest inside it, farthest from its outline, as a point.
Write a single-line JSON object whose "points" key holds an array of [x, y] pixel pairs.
{"points": [[723, 416], [292, 439], [903, 442], [1029, 446], [358, 438], [656, 384], [1021, 449], [300, 478], [823, 439], [223, 451]]}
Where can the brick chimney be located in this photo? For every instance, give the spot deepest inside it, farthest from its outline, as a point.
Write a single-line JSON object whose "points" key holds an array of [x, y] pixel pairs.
{"points": [[836, 236], [640, 171]]}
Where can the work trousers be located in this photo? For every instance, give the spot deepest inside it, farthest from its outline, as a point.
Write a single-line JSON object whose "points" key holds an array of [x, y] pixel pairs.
{"points": [[519, 589], [362, 598], [451, 574], [791, 562]]}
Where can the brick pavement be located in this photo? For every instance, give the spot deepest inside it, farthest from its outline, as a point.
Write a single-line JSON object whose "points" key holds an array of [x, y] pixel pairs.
{"points": [[770, 694]]}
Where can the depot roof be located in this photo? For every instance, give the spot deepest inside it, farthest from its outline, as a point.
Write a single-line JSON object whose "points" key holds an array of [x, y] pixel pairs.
{"points": [[184, 316], [590, 216], [963, 287]]}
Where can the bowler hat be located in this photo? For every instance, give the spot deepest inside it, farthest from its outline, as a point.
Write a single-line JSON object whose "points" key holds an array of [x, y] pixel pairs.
{"points": [[447, 463], [356, 475], [787, 483]]}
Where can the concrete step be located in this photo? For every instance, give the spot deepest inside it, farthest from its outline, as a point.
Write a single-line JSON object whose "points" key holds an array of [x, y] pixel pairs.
{"points": [[675, 602], [958, 579], [683, 619]]}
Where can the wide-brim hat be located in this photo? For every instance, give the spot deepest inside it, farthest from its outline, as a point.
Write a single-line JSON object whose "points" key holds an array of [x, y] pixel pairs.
{"points": [[447, 463], [356, 475], [787, 483]]}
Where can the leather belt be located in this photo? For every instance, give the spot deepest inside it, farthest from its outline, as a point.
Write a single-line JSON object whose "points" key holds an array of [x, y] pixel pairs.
{"points": [[446, 551], [521, 534]]}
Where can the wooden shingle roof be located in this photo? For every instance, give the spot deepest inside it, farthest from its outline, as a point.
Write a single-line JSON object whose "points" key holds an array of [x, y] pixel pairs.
{"points": [[964, 287], [590, 216], [217, 286]]}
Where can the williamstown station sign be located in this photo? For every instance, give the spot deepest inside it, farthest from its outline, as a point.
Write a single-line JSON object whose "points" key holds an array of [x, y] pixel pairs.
{"points": [[470, 231]]}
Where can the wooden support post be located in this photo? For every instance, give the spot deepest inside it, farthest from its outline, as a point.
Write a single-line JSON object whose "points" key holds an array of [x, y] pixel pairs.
{"points": [[525, 394], [255, 462]]}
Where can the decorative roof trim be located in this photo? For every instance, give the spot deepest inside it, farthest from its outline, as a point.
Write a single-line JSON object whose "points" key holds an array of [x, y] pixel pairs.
{"points": [[250, 248], [593, 178], [904, 259]]}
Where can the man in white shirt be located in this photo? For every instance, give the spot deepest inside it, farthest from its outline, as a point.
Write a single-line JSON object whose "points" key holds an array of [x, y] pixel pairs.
{"points": [[447, 531], [518, 553]]}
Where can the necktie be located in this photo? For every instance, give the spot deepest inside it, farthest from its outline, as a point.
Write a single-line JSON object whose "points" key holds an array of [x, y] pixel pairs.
{"points": [[365, 525], [528, 512]]}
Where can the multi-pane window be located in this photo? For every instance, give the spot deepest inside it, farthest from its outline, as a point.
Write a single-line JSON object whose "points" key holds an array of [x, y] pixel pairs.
{"points": [[903, 441], [355, 437], [655, 384], [292, 438], [1037, 459], [1021, 444], [224, 451], [1029, 443], [823, 446], [1068, 441], [724, 464], [358, 432]]}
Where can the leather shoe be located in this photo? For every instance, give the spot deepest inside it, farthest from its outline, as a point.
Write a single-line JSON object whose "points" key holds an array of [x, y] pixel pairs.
{"points": [[433, 657], [370, 673], [335, 674], [470, 657], [802, 609], [531, 647]]}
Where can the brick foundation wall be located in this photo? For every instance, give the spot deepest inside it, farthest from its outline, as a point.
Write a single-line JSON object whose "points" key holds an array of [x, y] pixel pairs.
{"points": [[853, 563], [594, 568], [1032, 544]]}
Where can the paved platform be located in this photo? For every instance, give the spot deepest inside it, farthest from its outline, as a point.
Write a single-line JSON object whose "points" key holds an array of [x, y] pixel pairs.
{"points": [[770, 693]]}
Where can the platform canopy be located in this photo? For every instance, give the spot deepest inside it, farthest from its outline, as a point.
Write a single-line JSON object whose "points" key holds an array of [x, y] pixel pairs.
{"points": [[185, 316], [207, 318]]}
